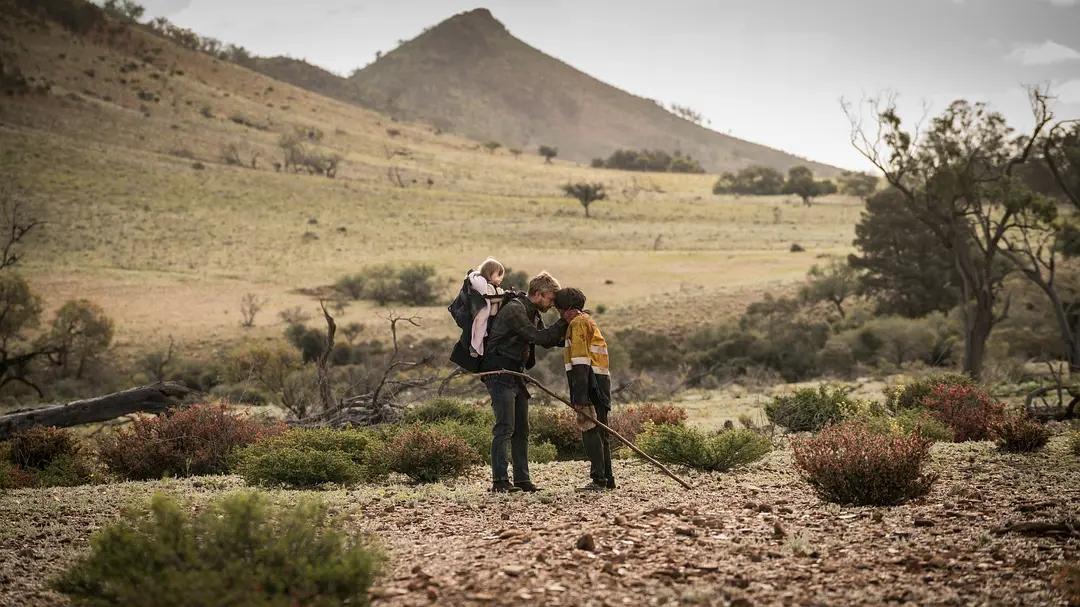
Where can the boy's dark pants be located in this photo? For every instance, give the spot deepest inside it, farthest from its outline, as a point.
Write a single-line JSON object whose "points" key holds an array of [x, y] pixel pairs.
{"points": [[598, 449], [510, 402]]}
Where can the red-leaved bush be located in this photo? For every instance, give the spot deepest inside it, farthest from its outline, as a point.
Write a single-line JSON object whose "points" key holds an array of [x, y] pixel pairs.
{"points": [[968, 410], [427, 455], [37, 446], [183, 441], [1018, 433], [849, 463], [629, 421]]}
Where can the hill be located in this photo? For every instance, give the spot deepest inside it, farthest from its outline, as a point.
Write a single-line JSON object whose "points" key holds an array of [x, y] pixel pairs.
{"points": [[470, 75], [122, 141]]}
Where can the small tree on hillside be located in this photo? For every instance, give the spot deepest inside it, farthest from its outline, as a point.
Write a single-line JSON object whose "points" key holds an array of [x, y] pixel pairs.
{"points": [[753, 180], [834, 282], [547, 152], [862, 185], [586, 193], [491, 146], [801, 182], [125, 10]]}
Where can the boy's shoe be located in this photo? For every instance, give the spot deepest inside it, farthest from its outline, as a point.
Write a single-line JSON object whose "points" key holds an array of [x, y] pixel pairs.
{"points": [[610, 484], [526, 486], [503, 487], [593, 486]]}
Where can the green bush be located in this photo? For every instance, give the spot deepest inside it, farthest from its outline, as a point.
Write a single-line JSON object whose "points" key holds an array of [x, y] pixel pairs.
{"points": [[717, 452], [923, 422], [427, 455], [239, 552], [542, 453], [440, 409], [811, 409], [311, 457], [1018, 433], [912, 394], [851, 463], [183, 441], [412, 284]]}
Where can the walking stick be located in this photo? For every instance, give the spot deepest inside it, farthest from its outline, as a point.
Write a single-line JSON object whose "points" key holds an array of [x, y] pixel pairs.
{"points": [[624, 441]]}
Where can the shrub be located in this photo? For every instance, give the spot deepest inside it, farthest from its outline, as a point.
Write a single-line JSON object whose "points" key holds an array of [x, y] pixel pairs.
{"points": [[629, 421], [1018, 433], [911, 394], [969, 411], [715, 452], [922, 421], [37, 446], [850, 463], [810, 409], [1074, 442], [310, 457], [557, 426], [440, 409], [240, 551], [427, 455], [181, 442], [14, 477], [412, 284], [416, 285], [542, 453]]}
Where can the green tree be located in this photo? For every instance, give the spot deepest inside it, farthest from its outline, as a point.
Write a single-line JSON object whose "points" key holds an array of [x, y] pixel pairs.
{"points": [[20, 312], [862, 185], [125, 10], [491, 146], [81, 332], [835, 282], [586, 193], [800, 181], [753, 180], [957, 178], [547, 152], [900, 262]]}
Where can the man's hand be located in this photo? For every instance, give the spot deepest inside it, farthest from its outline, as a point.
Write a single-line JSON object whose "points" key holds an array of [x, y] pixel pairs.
{"points": [[570, 314], [584, 423]]}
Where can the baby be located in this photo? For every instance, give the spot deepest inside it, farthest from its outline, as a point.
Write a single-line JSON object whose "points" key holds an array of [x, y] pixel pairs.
{"points": [[485, 281]]}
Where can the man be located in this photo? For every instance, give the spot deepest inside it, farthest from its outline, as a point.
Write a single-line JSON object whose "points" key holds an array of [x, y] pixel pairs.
{"points": [[586, 358], [511, 346]]}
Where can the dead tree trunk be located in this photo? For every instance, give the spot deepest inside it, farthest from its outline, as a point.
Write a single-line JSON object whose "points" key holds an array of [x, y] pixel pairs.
{"points": [[154, 398]]}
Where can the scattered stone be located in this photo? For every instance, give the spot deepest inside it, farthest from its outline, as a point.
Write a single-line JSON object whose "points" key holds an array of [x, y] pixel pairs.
{"points": [[586, 542], [923, 522]]}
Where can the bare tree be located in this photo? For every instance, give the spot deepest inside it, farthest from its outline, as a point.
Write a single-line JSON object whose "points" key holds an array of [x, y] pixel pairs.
{"points": [[19, 220], [322, 363], [250, 305]]}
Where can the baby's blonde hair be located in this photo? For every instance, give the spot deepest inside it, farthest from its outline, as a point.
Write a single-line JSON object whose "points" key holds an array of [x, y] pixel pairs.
{"points": [[491, 267]]}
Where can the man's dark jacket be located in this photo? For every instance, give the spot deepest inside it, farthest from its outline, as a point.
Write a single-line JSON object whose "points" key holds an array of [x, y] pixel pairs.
{"points": [[514, 334]]}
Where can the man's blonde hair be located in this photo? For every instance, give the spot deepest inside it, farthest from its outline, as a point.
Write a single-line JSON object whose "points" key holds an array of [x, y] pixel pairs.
{"points": [[491, 267], [542, 283]]}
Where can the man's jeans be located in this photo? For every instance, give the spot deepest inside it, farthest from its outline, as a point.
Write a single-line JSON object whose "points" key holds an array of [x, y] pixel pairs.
{"points": [[510, 401], [598, 448]]}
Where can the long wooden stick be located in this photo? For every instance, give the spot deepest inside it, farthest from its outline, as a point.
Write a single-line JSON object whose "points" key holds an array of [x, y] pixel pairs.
{"points": [[623, 440]]}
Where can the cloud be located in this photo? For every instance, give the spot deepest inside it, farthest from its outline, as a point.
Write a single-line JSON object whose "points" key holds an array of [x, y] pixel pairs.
{"points": [[1043, 54]]}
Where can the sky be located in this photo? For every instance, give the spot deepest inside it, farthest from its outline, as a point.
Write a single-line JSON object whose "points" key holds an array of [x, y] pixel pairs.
{"points": [[768, 71]]}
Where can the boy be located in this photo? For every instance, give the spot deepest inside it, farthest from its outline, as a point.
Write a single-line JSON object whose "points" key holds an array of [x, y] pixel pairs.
{"points": [[586, 359]]}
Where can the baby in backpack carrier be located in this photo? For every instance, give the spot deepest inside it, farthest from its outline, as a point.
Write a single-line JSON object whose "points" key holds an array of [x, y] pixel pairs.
{"points": [[486, 281]]}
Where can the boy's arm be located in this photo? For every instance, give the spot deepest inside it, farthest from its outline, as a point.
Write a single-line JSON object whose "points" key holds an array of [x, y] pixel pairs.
{"points": [[518, 322], [580, 364]]}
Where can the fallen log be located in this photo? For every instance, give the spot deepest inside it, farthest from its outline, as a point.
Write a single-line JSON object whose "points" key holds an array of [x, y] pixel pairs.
{"points": [[1062, 528], [154, 398]]}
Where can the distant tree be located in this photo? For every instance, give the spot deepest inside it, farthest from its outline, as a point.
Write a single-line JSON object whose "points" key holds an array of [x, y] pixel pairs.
{"points": [[491, 146], [649, 160], [250, 306], [547, 152], [834, 282], [597, 163], [515, 152], [688, 113], [901, 263], [125, 10], [81, 332], [862, 185], [17, 219], [800, 181], [20, 313], [586, 193], [753, 180]]}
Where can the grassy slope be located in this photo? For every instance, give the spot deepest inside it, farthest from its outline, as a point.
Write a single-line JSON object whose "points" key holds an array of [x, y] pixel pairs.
{"points": [[167, 249]]}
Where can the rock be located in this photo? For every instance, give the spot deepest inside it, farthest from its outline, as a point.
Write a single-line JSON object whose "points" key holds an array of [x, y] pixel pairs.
{"points": [[923, 522], [686, 531], [586, 542], [513, 570], [778, 530]]}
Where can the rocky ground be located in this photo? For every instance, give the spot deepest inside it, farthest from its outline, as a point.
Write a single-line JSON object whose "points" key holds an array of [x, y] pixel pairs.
{"points": [[754, 537]]}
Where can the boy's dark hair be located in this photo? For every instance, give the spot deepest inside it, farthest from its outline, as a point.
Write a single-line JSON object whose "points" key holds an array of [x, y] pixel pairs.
{"points": [[569, 298]]}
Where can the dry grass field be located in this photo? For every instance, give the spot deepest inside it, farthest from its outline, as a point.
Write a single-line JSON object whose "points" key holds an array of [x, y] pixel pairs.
{"points": [[168, 249]]}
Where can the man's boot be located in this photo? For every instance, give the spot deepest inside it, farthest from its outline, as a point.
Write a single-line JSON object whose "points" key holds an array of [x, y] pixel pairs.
{"points": [[526, 486], [503, 487]]}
